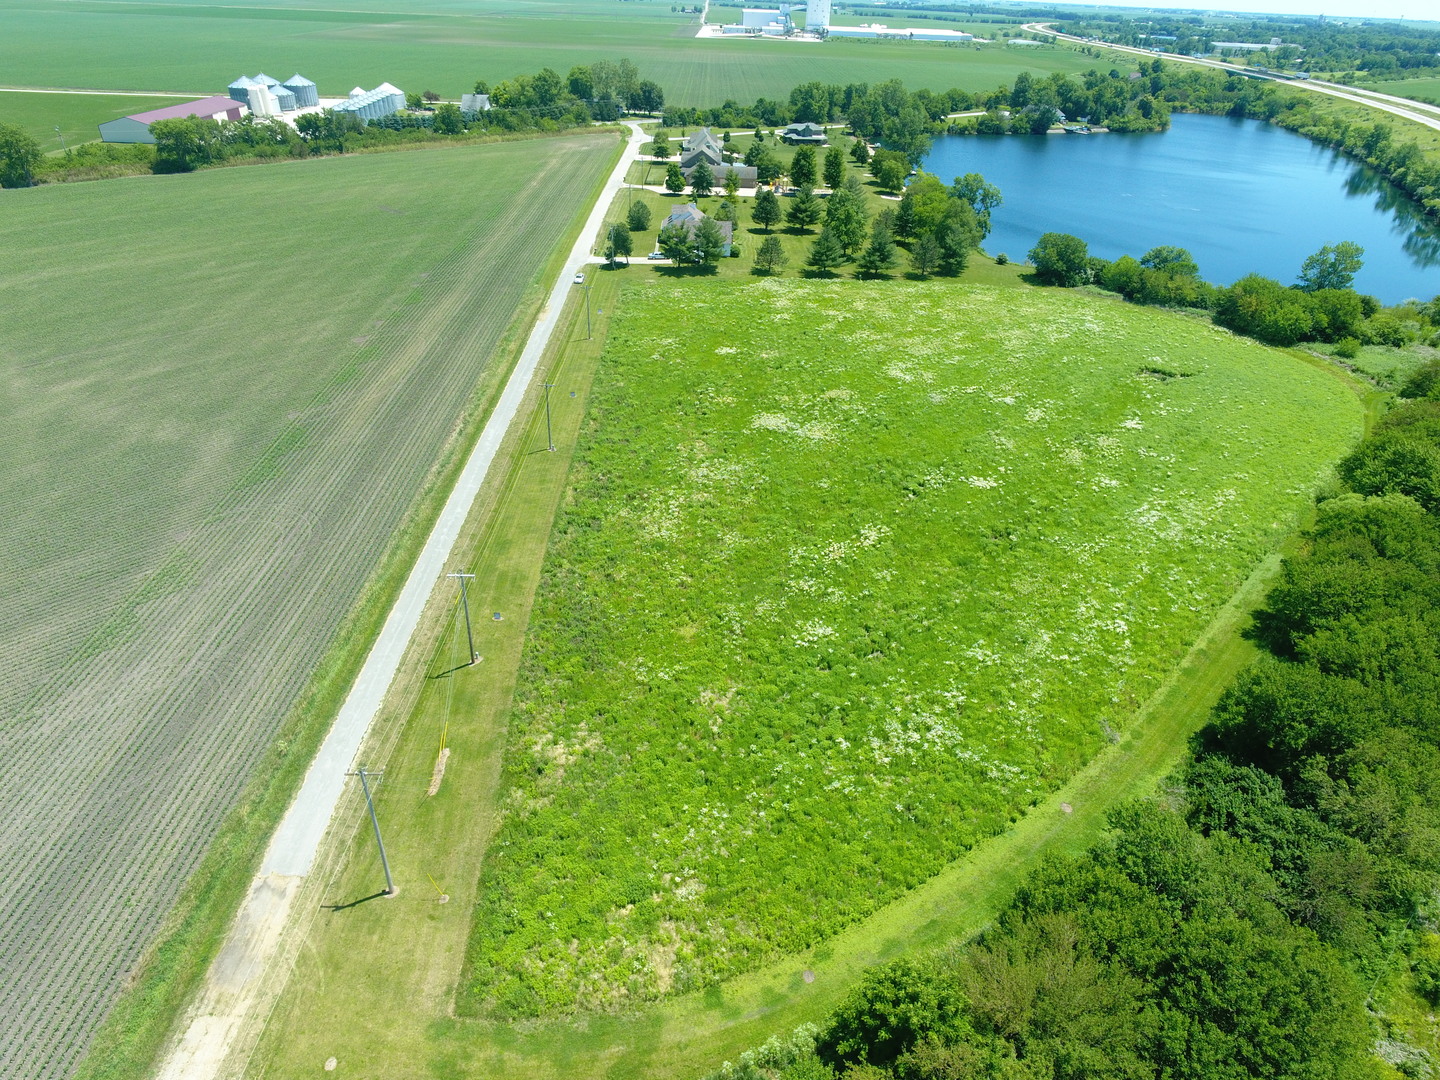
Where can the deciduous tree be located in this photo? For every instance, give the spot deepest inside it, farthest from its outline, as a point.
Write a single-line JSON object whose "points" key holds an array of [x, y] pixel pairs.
{"points": [[802, 167], [1061, 259], [638, 217], [834, 167], [19, 156], [1332, 267]]}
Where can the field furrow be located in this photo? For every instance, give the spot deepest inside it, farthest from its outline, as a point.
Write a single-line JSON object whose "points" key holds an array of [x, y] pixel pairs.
{"points": [[258, 371]]}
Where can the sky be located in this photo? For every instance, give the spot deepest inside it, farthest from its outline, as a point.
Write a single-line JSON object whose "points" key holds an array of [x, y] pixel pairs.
{"points": [[1372, 9]]}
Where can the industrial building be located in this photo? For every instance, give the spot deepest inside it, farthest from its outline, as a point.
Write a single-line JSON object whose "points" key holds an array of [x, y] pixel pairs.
{"points": [[817, 16], [880, 30], [136, 128], [384, 100], [765, 21]]}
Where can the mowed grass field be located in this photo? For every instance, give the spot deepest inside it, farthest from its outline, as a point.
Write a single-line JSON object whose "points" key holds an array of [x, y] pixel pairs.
{"points": [[203, 46], [676, 663], [78, 116], [225, 395]]}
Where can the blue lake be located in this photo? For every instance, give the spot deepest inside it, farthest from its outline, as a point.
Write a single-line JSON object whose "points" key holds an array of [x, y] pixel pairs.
{"points": [[1242, 195]]}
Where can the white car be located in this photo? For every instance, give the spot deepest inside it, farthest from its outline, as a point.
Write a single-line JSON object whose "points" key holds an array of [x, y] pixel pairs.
{"points": [[579, 279]]}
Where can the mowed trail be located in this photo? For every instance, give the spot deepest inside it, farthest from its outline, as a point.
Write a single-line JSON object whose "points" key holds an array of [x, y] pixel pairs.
{"points": [[139, 719]]}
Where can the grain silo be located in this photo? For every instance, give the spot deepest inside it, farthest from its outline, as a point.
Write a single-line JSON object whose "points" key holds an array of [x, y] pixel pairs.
{"points": [[817, 16], [239, 90], [305, 91], [284, 99], [262, 101]]}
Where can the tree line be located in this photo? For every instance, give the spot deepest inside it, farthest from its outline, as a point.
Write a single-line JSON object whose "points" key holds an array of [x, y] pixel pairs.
{"points": [[1320, 306], [1272, 909]]}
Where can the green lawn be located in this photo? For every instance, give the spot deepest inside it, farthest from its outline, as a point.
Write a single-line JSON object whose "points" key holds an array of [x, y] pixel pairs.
{"points": [[78, 116], [661, 436], [229, 395], [447, 47]]}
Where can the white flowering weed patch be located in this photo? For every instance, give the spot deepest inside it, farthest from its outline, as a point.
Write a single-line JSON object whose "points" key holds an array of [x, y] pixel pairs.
{"points": [[834, 597]]}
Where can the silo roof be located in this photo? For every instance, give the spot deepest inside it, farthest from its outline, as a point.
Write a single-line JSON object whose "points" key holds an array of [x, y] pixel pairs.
{"points": [[298, 80]]}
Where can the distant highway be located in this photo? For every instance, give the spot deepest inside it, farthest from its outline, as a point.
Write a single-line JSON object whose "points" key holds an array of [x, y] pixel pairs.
{"points": [[1418, 112]]}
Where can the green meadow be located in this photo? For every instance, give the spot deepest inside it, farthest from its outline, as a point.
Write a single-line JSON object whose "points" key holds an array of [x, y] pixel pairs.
{"points": [[77, 116], [200, 47], [846, 578]]}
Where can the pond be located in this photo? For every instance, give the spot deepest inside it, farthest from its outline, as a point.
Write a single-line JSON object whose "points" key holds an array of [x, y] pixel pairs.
{"points": [[1242, 195]]}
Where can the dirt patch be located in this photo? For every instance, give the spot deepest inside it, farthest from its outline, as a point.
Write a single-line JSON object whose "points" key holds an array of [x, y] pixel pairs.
{"points": [[439, 773]]}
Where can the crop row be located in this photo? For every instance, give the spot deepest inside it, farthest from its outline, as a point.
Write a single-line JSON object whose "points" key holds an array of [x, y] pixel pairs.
{"points": [[128, 751]]}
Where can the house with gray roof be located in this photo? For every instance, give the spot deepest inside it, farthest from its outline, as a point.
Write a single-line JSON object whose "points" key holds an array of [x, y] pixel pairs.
{"points": [[690, 216], [699, 147], [806, 133]]}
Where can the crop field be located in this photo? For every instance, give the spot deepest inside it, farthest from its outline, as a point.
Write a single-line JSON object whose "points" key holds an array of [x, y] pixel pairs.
{"points": [[201, 47], [1419, 89], [846, 578], [225, 394], [78, 116]]}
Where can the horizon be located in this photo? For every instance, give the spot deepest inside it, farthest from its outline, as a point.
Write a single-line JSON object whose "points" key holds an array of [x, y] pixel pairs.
{"points": [[1416, 11]]}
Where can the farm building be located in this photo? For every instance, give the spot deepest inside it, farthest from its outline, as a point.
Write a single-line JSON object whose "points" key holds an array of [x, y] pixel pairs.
{"points": [[265, 96], [805, 134], [305, 91], [476, 103], [136, 128], [384, 100], [690, 216]]}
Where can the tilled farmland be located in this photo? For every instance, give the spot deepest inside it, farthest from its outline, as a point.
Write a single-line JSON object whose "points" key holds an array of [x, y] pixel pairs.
{"points": [[223, 393]]}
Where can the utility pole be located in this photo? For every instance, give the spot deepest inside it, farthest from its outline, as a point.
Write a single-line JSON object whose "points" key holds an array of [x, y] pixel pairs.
{"points": [[61, 136], [549, 438], [586, 287], [365, 783], [465, 603]]}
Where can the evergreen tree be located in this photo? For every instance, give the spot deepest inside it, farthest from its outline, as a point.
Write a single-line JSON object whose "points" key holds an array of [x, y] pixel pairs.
{"points": [[770, 256], [638, 217], [674, 179], [805, 210], [826, 253], [766, 211], [702, 180], [802, 167], [925, 255], [879, 255], [846, 217], [709, 243]]}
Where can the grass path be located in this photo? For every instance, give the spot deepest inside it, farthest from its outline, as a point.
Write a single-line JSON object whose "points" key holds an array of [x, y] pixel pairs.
{"points": [[359, 959]]}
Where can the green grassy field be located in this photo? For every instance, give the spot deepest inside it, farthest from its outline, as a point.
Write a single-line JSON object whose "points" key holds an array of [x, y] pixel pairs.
{"points": [[228, 393], [368, 950], [824, 611], [1419, 89], [201, 47], [78, 116]]}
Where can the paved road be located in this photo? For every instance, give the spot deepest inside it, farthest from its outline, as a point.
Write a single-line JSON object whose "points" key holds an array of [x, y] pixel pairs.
{"points": [[233, 986], [1419, 112], [102, 93]]}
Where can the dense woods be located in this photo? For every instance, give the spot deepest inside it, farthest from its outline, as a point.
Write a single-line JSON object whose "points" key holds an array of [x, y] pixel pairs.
{"points": [[1237, 924]]}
